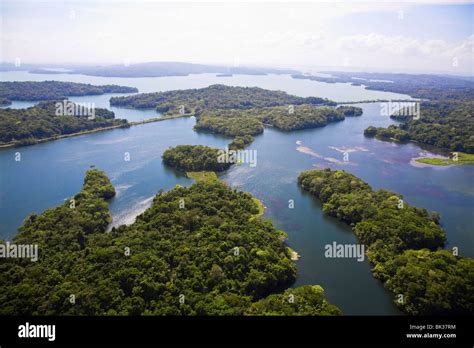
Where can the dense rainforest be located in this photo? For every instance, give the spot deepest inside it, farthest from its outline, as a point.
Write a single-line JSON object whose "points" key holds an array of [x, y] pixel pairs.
{"points": [[446, 125], [196, 251], [194, 158], [212, 98], [231, 123], [403, 243], [55, 90], [310, 300], [235, 122], [30, 125]]}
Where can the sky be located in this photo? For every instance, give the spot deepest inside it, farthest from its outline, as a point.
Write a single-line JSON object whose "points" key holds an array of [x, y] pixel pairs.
{"points": [[428, 36]]}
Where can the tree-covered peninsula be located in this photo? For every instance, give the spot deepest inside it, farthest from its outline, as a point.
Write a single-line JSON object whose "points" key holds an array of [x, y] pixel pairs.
{"points": [[238, 122], [403, 243], [240, 142], [447, 125], [244, 123], [212, 98], [55, 90], [42, 122], [196, 251]]}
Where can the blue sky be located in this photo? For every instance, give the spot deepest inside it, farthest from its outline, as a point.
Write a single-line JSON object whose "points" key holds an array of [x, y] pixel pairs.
{"points": [[430, 36]]}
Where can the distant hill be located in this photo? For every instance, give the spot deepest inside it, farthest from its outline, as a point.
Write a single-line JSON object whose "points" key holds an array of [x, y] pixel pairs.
{"points": [[418, 86], [158, 69]]}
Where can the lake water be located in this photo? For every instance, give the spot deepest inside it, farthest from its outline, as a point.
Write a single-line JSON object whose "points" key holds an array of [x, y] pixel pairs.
{"points": [[340, 92], [51, 172]]}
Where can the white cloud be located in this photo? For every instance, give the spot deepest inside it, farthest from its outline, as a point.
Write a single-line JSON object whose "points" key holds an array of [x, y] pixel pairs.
{"points": [[402, 46], [288, 34]]}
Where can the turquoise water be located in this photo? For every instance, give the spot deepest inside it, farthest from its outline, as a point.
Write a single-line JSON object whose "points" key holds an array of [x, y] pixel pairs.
{"points": [[51, 172]]}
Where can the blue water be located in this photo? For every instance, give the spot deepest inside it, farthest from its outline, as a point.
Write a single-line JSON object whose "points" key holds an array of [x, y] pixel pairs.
{"points": [[51, 172], [339, 91]]}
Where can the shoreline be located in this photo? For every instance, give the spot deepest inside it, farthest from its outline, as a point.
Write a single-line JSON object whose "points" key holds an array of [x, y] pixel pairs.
{"points": [[96, 130], [424, 160], [442, 161]]}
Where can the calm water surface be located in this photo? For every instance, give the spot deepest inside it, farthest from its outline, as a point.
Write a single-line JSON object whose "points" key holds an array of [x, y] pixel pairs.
{"points": [[51, 172]]}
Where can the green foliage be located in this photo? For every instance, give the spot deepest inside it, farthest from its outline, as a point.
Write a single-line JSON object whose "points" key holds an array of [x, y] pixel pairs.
{"points": [[392, 132], [304, 300], [202, 176], [55, 90], [98, 184], [212, 252], [462, 158], [402, 242], [432, 283], [27, 126], [445, 124], [194, 158], [240, 142], [238, 122], [212, 98], [231, 126], [376, 216], [301, 117], [350, 110]]}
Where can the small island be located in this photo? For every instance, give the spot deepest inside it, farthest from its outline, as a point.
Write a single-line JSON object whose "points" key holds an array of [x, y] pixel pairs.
{"points": [[194, 158]]}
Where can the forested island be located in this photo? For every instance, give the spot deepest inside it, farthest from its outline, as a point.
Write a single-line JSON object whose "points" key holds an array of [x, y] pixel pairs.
{"points": [[40, 122], [55, 90], [194, 158], [196, 251], [212, 98], [403, 243]]}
